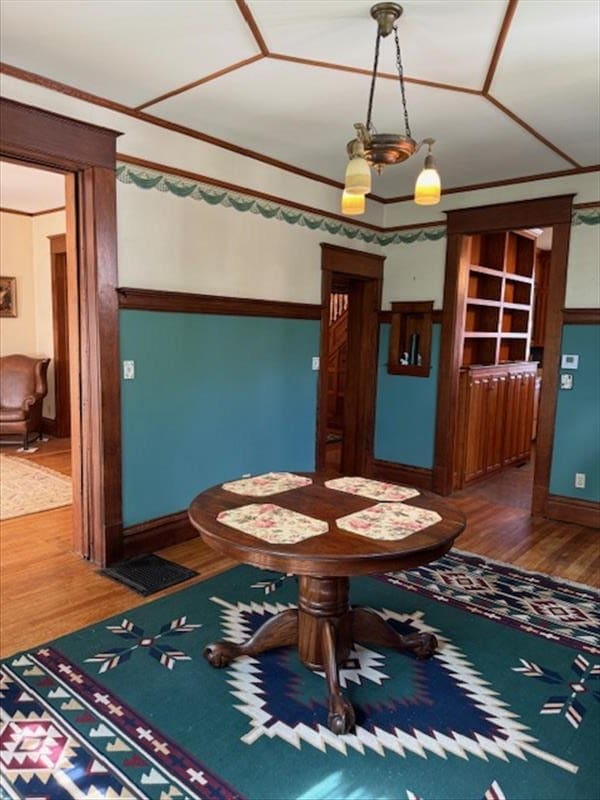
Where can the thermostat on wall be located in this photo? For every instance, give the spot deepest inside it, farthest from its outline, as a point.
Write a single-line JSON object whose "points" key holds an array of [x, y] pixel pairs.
{"points": [[569, 361]]}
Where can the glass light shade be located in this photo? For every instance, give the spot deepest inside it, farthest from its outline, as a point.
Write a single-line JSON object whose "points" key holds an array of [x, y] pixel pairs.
{"points": [[353, 204], [428, 188], [358, 176]]}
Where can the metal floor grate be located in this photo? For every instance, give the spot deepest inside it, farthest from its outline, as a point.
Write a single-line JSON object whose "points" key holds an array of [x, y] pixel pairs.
{"points": [[148, 574]]}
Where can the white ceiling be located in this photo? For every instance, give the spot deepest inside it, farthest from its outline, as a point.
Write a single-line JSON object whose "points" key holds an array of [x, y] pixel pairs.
{"points": [[30, 190], [132, 52]]}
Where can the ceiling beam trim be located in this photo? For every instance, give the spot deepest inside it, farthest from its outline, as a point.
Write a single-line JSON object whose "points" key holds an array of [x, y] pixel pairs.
{"points": [[500, 41], [309, 62], [218, 74], [254, 29]]}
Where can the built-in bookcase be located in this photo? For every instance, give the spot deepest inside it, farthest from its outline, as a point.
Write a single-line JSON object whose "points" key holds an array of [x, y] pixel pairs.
{"points": [[499, 298]]}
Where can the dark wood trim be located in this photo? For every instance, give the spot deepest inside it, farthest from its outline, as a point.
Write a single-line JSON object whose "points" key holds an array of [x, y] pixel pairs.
{"points": [[500, 41], [594, 204], [541, 212], [581, 316], [48, 211], [538, 212], [474, 187], [386, 317], [60, 328], [206, 79], [438, 224], [16, 211], [400, 473], [271, 198], [190, 303], [531, 130], [364, 275], [570, 509], [89, 145], [391, 76], [87, 155], [351, 262], [31, 213], [49, 426], [252, 24], [557, 283], [157, 534]]}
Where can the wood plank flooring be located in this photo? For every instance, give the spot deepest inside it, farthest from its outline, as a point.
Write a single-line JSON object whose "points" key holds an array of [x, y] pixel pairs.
{"points": [[46, 591]]}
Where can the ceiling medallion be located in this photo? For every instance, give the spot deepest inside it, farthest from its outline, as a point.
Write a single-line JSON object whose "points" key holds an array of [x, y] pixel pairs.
{"points": [[380, 150]]}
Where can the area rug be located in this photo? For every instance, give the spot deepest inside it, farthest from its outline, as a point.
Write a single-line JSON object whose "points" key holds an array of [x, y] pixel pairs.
{"points": [[26, 488], [129, 708]]}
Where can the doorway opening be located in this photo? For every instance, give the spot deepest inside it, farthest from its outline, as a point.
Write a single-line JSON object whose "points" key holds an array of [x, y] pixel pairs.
{"points": [[34, 343], [351, 298], [505, 288]]}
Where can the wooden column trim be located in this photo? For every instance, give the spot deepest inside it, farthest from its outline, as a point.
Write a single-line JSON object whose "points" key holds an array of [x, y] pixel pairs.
{"points": [[86, 154]]}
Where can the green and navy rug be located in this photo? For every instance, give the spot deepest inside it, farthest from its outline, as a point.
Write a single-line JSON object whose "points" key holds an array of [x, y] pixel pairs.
{"points": [[129, 708]]}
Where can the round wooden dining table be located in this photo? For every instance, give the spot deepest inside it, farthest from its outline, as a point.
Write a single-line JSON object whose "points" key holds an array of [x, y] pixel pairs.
{"points": [[324, 626]]}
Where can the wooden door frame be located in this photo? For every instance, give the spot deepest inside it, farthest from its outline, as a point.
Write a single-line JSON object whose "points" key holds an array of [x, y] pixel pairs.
{"points": [[365, 274], [86, 154], [60, 315], [554, 212]]}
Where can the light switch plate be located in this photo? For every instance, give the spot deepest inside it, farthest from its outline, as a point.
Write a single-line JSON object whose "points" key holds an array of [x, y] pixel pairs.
{"points": [[128, 370], [566, 380], [315, 363], [569, 361]]}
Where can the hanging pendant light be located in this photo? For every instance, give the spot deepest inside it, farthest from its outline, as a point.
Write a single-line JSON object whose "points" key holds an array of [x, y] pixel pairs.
{"points": [[378, 150], [428, 187], [353, 204]]}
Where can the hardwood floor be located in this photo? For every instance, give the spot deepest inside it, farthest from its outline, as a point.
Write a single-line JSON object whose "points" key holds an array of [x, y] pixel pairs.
{"points": [[46, 591]]}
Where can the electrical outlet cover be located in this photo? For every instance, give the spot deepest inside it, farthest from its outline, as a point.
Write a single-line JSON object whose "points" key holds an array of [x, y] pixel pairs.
{"points": [[566, 381]]}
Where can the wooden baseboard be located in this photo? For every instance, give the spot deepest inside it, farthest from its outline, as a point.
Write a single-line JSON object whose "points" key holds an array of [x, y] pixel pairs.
{"points": [[569, 509], [157, 533], [49, 426], [401, 473]]}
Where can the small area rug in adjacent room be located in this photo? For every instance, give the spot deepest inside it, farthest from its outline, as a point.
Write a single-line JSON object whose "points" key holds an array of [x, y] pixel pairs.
{"points": [[129, 708], [26, 488]]}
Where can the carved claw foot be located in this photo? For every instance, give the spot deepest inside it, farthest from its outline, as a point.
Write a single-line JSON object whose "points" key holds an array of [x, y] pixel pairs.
{"points": [[423, 645], [341, 717], [221, 654]]}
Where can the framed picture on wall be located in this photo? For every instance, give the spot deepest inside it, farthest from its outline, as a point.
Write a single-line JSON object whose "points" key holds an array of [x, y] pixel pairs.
{"points": [[8, 297]]}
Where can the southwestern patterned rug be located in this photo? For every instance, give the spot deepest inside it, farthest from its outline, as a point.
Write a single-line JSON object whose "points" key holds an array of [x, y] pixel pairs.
{"points": [[128, 708]]}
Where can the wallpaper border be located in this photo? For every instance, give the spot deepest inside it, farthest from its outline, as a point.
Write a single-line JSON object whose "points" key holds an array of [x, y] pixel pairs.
{"points": [[144, 178]]}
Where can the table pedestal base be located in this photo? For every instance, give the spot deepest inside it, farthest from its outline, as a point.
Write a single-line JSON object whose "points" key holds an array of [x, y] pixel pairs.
{"points": [[324, 627]]}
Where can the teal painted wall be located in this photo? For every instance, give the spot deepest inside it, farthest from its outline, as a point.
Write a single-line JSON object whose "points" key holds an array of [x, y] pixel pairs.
{"points": [[577, 430], [406, 408], [214, 397]]}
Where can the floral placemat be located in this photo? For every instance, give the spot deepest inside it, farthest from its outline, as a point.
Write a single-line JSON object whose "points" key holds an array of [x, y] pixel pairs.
{"points": [[269, 483], [272, 523], [376, 490], [388, 521]]}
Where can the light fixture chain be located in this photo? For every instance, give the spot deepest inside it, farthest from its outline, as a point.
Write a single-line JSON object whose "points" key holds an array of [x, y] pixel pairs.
{"points": [[401, 76], [374, 76]]}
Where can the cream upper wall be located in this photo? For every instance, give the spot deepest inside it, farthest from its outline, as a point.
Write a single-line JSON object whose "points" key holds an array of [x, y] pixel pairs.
{"points": [[178, 244], [25, 254], [43, 226], [17, 334]]}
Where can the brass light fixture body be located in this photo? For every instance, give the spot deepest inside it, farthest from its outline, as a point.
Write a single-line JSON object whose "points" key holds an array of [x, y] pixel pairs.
{"points": [[384, 149]]}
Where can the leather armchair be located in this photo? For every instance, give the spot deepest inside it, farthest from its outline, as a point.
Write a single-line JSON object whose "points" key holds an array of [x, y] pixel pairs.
{"points": [[23, 386]]}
